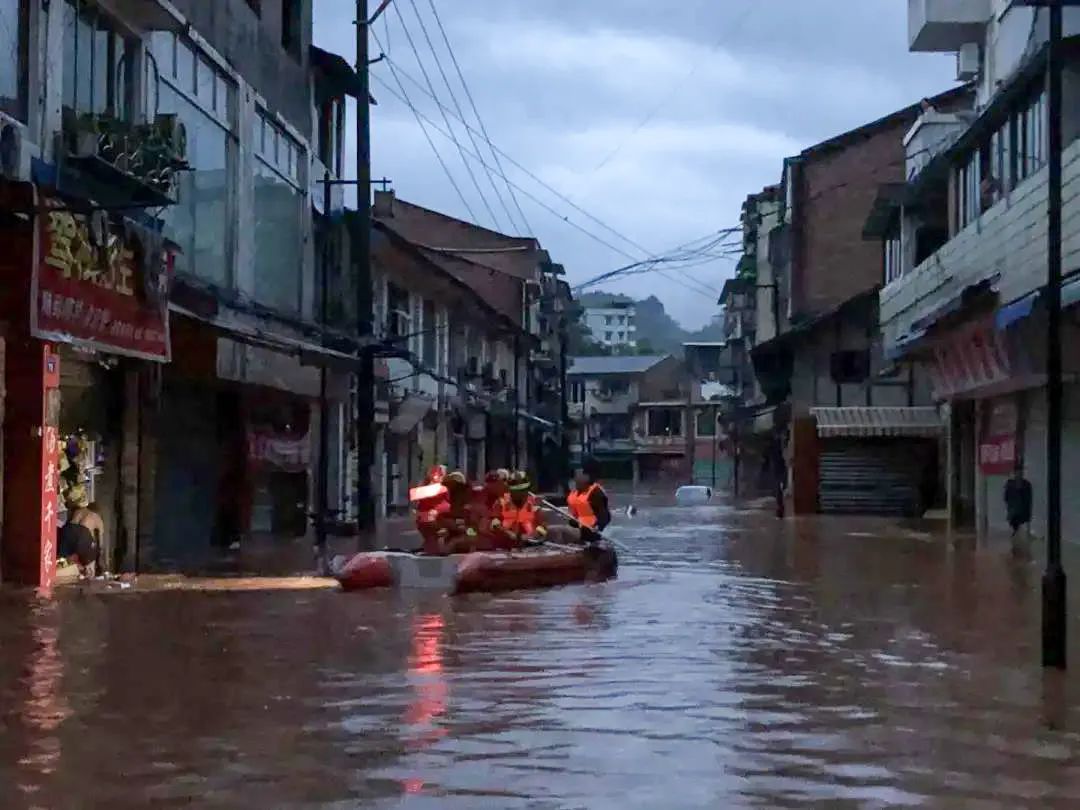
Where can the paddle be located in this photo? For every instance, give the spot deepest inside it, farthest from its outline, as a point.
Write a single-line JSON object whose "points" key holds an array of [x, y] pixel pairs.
{"points": [[552, 507]]}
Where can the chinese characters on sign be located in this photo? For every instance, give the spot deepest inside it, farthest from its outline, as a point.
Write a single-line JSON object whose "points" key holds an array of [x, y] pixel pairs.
{"points": [[88, 286], [972, 358]]}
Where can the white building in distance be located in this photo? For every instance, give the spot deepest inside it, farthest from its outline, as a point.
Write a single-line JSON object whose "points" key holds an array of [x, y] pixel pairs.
{"points": [[613, 325]]}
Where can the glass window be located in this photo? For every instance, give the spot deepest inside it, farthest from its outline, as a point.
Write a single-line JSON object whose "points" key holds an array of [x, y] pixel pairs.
{"points": [[278, 225], [185, 67], [96, 68], [200, 222], [205, 81], [430, 335], [13, 45]]}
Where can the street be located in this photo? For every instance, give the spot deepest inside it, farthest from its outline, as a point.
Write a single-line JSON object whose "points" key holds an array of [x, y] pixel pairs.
{"points": [[738, 661]]}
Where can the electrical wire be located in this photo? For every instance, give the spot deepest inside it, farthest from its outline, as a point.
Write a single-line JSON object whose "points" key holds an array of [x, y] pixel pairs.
{"points": [[532, 176], [404, 97], [479, 119], [442, 108]]}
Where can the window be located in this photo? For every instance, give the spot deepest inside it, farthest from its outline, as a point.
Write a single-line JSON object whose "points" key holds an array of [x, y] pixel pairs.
{"points": [[14, 27], [430, 342], [893, 259], [967, 193], [608, 320], [706, 423], [607, 336], [850, 366], [398, 311], [202, 220], [665, 422], [577, 392], [290, 26], [97, 62], [279, 209]]}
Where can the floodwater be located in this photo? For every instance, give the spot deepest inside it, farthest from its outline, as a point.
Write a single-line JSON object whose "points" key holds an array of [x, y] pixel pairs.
{"points": [[738, 661]]}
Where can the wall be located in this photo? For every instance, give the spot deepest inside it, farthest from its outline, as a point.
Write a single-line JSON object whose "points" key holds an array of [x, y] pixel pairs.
{"points": [[1010, 239], [836, 190], [253, 47]]}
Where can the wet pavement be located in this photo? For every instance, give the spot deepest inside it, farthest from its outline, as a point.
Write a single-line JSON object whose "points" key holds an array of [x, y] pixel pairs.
{"points": [[738, 661]]}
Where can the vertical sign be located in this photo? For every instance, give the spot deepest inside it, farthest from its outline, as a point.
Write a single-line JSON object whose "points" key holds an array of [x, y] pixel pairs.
{"points": [[50, 440]]}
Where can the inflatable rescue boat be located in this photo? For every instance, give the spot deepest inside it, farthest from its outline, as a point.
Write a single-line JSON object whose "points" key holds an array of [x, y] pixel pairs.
{"points": [[480, 571]]}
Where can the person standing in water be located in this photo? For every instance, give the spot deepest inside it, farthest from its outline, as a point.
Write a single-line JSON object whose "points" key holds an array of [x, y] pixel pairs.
{"points": [[80, 537]]}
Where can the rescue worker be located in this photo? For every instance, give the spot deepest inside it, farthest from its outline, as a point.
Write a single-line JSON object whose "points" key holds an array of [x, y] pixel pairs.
{"points": [[520, 520], [588, 504], [457, 527], [432, 504]]}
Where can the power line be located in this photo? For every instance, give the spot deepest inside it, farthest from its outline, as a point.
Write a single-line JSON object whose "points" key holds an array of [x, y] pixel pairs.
{"points": [[479, 120], [555, 192], [404, 97], [461, 114], [446, 119], [529, 195]]}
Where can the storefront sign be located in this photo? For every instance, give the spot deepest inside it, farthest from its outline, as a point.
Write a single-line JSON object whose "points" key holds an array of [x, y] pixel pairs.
{"points": [[50, 468], [98, 287], [997, 442], [274, 450]]}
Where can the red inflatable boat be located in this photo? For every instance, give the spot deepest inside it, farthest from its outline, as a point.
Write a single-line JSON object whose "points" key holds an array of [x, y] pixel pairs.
{"points": [[482, 571]]}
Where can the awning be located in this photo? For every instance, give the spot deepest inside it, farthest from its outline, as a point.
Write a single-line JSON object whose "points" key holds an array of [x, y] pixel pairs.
{"points": [[903, 345], [1018, 310], [956, 303], [871, 422], [409, 413]]}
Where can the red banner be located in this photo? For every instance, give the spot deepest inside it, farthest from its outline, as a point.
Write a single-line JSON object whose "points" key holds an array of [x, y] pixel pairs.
{"points": [[997, 442], [274, 450], [100, 288]]}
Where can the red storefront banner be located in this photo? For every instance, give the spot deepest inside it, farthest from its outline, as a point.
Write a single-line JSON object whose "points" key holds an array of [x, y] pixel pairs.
{"points": [[99, 287], [997, 440], [274, 450]]}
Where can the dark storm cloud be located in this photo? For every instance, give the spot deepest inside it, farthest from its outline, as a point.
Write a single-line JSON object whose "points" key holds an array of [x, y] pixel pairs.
{"points": [[733, 85]]}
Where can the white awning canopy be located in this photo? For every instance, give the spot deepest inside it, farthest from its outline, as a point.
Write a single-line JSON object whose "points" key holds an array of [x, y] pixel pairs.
{"points": [[868, 422]]}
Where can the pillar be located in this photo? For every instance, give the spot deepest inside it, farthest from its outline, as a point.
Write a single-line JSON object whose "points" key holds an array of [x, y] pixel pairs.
{"points": [[31, 437], [804, 466]]}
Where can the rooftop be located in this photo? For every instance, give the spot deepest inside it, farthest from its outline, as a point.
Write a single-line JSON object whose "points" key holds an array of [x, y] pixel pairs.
{"points": [[617, 364]]}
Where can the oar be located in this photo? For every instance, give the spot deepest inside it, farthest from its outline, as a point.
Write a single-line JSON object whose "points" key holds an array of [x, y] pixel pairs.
{"points": [[552, 507]]}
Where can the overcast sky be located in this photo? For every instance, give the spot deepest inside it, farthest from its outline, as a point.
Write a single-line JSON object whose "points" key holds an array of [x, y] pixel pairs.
{"points": [[729, 88]]}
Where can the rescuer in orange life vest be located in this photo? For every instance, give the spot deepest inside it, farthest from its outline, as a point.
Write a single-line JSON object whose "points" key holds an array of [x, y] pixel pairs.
{"points": [[457, 527], [520, 520], [588, 503]]}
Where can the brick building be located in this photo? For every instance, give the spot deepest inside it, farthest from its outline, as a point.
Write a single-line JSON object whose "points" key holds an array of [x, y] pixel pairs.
{"points": [[830, 396]]}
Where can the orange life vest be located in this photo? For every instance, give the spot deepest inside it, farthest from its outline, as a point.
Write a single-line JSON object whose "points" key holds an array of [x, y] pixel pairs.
{"points": [[578, 502], [520, 520]]}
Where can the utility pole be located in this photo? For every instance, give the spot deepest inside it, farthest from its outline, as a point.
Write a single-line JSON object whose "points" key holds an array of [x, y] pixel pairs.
{"points": [[1053, 585], [361, 261], [323, 479]]}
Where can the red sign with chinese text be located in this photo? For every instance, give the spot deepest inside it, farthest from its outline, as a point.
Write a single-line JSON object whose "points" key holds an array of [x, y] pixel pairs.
{"points": [[997, 444], [99, 291], [282, 452], [50, 471]]}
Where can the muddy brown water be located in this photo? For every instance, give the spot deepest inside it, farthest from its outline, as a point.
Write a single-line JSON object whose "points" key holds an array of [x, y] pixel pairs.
{"points": [[737, 662]]}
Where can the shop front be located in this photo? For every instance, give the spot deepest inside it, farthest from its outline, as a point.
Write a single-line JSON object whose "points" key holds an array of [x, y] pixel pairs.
{"points": [[85, 299]]}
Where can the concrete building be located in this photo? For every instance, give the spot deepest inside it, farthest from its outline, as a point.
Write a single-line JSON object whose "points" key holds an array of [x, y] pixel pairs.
{"points": [[612, 325], [169, 364], [859, 435], [474, 326], [631, 415], [963, 240]]}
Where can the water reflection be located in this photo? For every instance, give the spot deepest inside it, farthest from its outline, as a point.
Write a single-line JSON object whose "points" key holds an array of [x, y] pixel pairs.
{"points": [[737, 661]]}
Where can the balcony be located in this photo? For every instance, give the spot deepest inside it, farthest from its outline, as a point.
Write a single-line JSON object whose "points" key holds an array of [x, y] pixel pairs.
{"points": [[1007, 244], [660, 445], [943, 26]]}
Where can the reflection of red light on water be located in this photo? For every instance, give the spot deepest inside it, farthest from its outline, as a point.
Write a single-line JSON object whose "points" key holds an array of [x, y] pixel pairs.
{"points": [[431, 689], [426, 645], [413, 786]]}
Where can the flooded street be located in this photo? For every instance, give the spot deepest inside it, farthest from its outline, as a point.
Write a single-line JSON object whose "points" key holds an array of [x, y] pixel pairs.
{"points": [[737, 662]]}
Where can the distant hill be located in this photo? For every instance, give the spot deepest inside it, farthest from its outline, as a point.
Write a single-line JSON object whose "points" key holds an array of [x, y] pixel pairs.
{"points": [[657, 331]]}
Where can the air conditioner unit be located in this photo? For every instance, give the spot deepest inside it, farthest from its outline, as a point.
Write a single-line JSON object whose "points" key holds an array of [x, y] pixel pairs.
{"points": [[14, 150], [967, 62]]}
